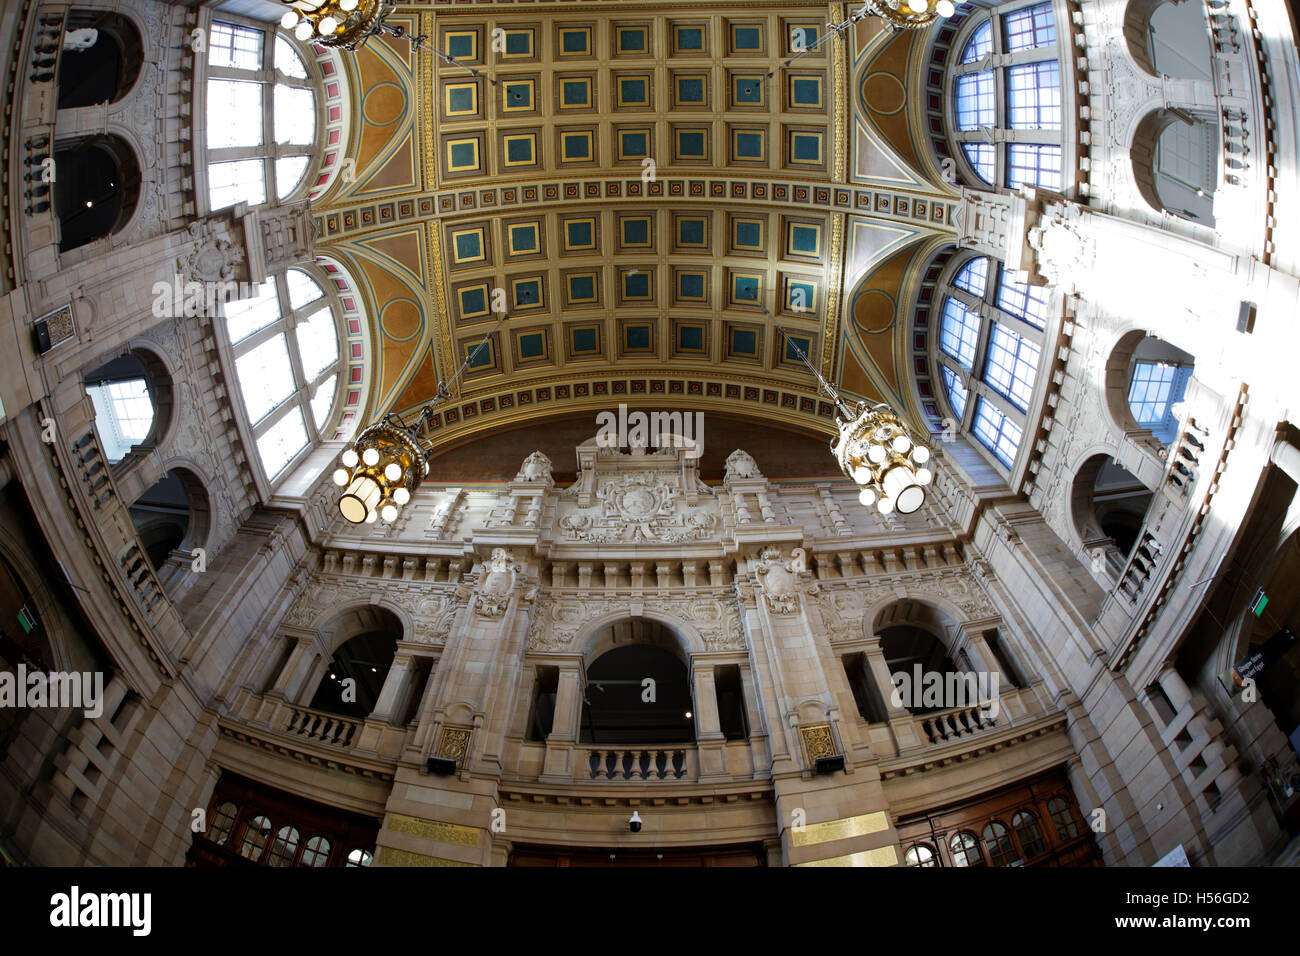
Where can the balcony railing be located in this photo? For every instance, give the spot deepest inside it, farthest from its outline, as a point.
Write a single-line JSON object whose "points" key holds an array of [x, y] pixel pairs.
{"points": [[653, 763], [949, 725], [322, 727]]}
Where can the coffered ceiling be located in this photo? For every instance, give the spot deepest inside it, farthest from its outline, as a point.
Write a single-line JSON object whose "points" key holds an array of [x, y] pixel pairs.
{"points": [[648, 192]]}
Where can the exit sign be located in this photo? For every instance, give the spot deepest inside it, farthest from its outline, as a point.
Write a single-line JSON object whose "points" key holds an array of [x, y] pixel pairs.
{"points": [[1258, 603]]}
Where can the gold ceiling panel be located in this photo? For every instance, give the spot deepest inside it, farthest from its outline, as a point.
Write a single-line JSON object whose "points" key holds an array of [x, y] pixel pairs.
{"points": [[646, 192]]}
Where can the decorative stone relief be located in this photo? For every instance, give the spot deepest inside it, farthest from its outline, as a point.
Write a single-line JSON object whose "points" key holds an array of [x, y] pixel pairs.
{"points": [[497, 584], [778, 579], [640, 506], [740, 464], [431, 609], [1064, 251], [557, 619], [536, 468], [213, 260], [435, 616]]}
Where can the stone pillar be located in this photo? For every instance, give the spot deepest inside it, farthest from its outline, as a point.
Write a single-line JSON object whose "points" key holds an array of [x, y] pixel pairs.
{"points": [[286, 678], [900, 718], [568, 704], [394, 687], [707, 723], [710, 743], [561, 743]]}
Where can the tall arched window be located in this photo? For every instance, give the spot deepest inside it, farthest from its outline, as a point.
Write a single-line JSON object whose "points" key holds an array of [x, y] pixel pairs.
{"points": [[285, 342], [989, 345], [256, 73], [997, 841], [1062, 819], [1004, 97], [965, 849]]}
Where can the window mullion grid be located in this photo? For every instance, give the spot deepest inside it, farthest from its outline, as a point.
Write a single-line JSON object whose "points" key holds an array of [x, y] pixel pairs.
{"points": [[1016, 324], [229, 154], [246, 345], [995, 398], [965, 378]]}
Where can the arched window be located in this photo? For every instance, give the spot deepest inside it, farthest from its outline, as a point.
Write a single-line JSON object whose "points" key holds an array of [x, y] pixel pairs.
{"points": [[1066, 826], [920, 854], [132, 395], [356, 674], [1158, 377], [359, 857], [1109, 505], [316, 852], [100, 55], [285, 342], [965, 849], [906, 648], [991, 332], [615, 711], [172, 515], [222, 822], [256, 74], [997, 841], [1005, 97], [256, 834], [284, 847], [96, 187], [1031, 838]]}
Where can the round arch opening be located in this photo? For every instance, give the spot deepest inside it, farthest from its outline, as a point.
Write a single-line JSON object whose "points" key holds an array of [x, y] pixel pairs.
{"points": [[638, 688]]}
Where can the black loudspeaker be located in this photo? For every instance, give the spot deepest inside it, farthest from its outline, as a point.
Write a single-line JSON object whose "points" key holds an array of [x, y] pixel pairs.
{"points": [[829, 764], [445, 766]]}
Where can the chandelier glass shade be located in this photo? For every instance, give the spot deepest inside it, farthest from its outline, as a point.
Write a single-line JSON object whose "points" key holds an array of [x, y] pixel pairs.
{"points": [[879, 453], [336, 23], [379, 472], [909, 14]]}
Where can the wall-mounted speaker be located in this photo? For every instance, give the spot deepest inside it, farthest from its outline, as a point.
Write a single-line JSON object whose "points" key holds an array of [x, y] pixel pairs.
{"points": [[829, 764], [442, 766]]}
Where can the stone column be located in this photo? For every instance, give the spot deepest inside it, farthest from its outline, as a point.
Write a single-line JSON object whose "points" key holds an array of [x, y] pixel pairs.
{"points": [[710, 743], [561, 743], [301, 645], [394, 686], [900, 718]]}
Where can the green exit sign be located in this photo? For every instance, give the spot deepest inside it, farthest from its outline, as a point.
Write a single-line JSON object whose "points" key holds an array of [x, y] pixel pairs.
{"points": [[1258, 603]]}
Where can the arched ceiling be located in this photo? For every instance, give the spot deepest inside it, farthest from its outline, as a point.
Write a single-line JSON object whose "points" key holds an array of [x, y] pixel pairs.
{"points": [[656, 287]]}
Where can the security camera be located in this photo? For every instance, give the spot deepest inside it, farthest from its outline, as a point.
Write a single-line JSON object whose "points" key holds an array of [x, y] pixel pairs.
{"points": [[634, 823]]}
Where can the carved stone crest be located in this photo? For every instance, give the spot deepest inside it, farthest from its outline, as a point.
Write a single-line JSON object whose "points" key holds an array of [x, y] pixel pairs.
{"points": [[498, 583], [536, 467], [778, 577], [213, 259], [740, 464]]}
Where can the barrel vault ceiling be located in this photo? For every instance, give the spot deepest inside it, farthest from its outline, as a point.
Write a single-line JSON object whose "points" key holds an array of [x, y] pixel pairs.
{"points": [[646, 203]]}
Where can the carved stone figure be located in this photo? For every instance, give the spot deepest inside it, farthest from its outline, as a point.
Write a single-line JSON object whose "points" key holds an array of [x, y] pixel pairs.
{"points": [[498, 582], [740, 464], [779, 579], [536, 467]]}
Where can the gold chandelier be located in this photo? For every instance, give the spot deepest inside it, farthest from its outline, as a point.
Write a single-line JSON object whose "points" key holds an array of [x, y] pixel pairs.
{"points": [[383, 466], [876, 449], [908, 14], [381, 470], [341, 23]]}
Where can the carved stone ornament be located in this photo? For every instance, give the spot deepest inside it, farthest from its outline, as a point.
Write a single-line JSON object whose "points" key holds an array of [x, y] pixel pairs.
{"points": [[637, 507], [740, 464], [498, 583], [557, 619], [536, 467], [213, 259], [778, 576], [1065, 252]]}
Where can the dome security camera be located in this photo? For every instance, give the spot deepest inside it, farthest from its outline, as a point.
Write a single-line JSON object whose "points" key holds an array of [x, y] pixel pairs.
{"points": [[634, 822]]}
